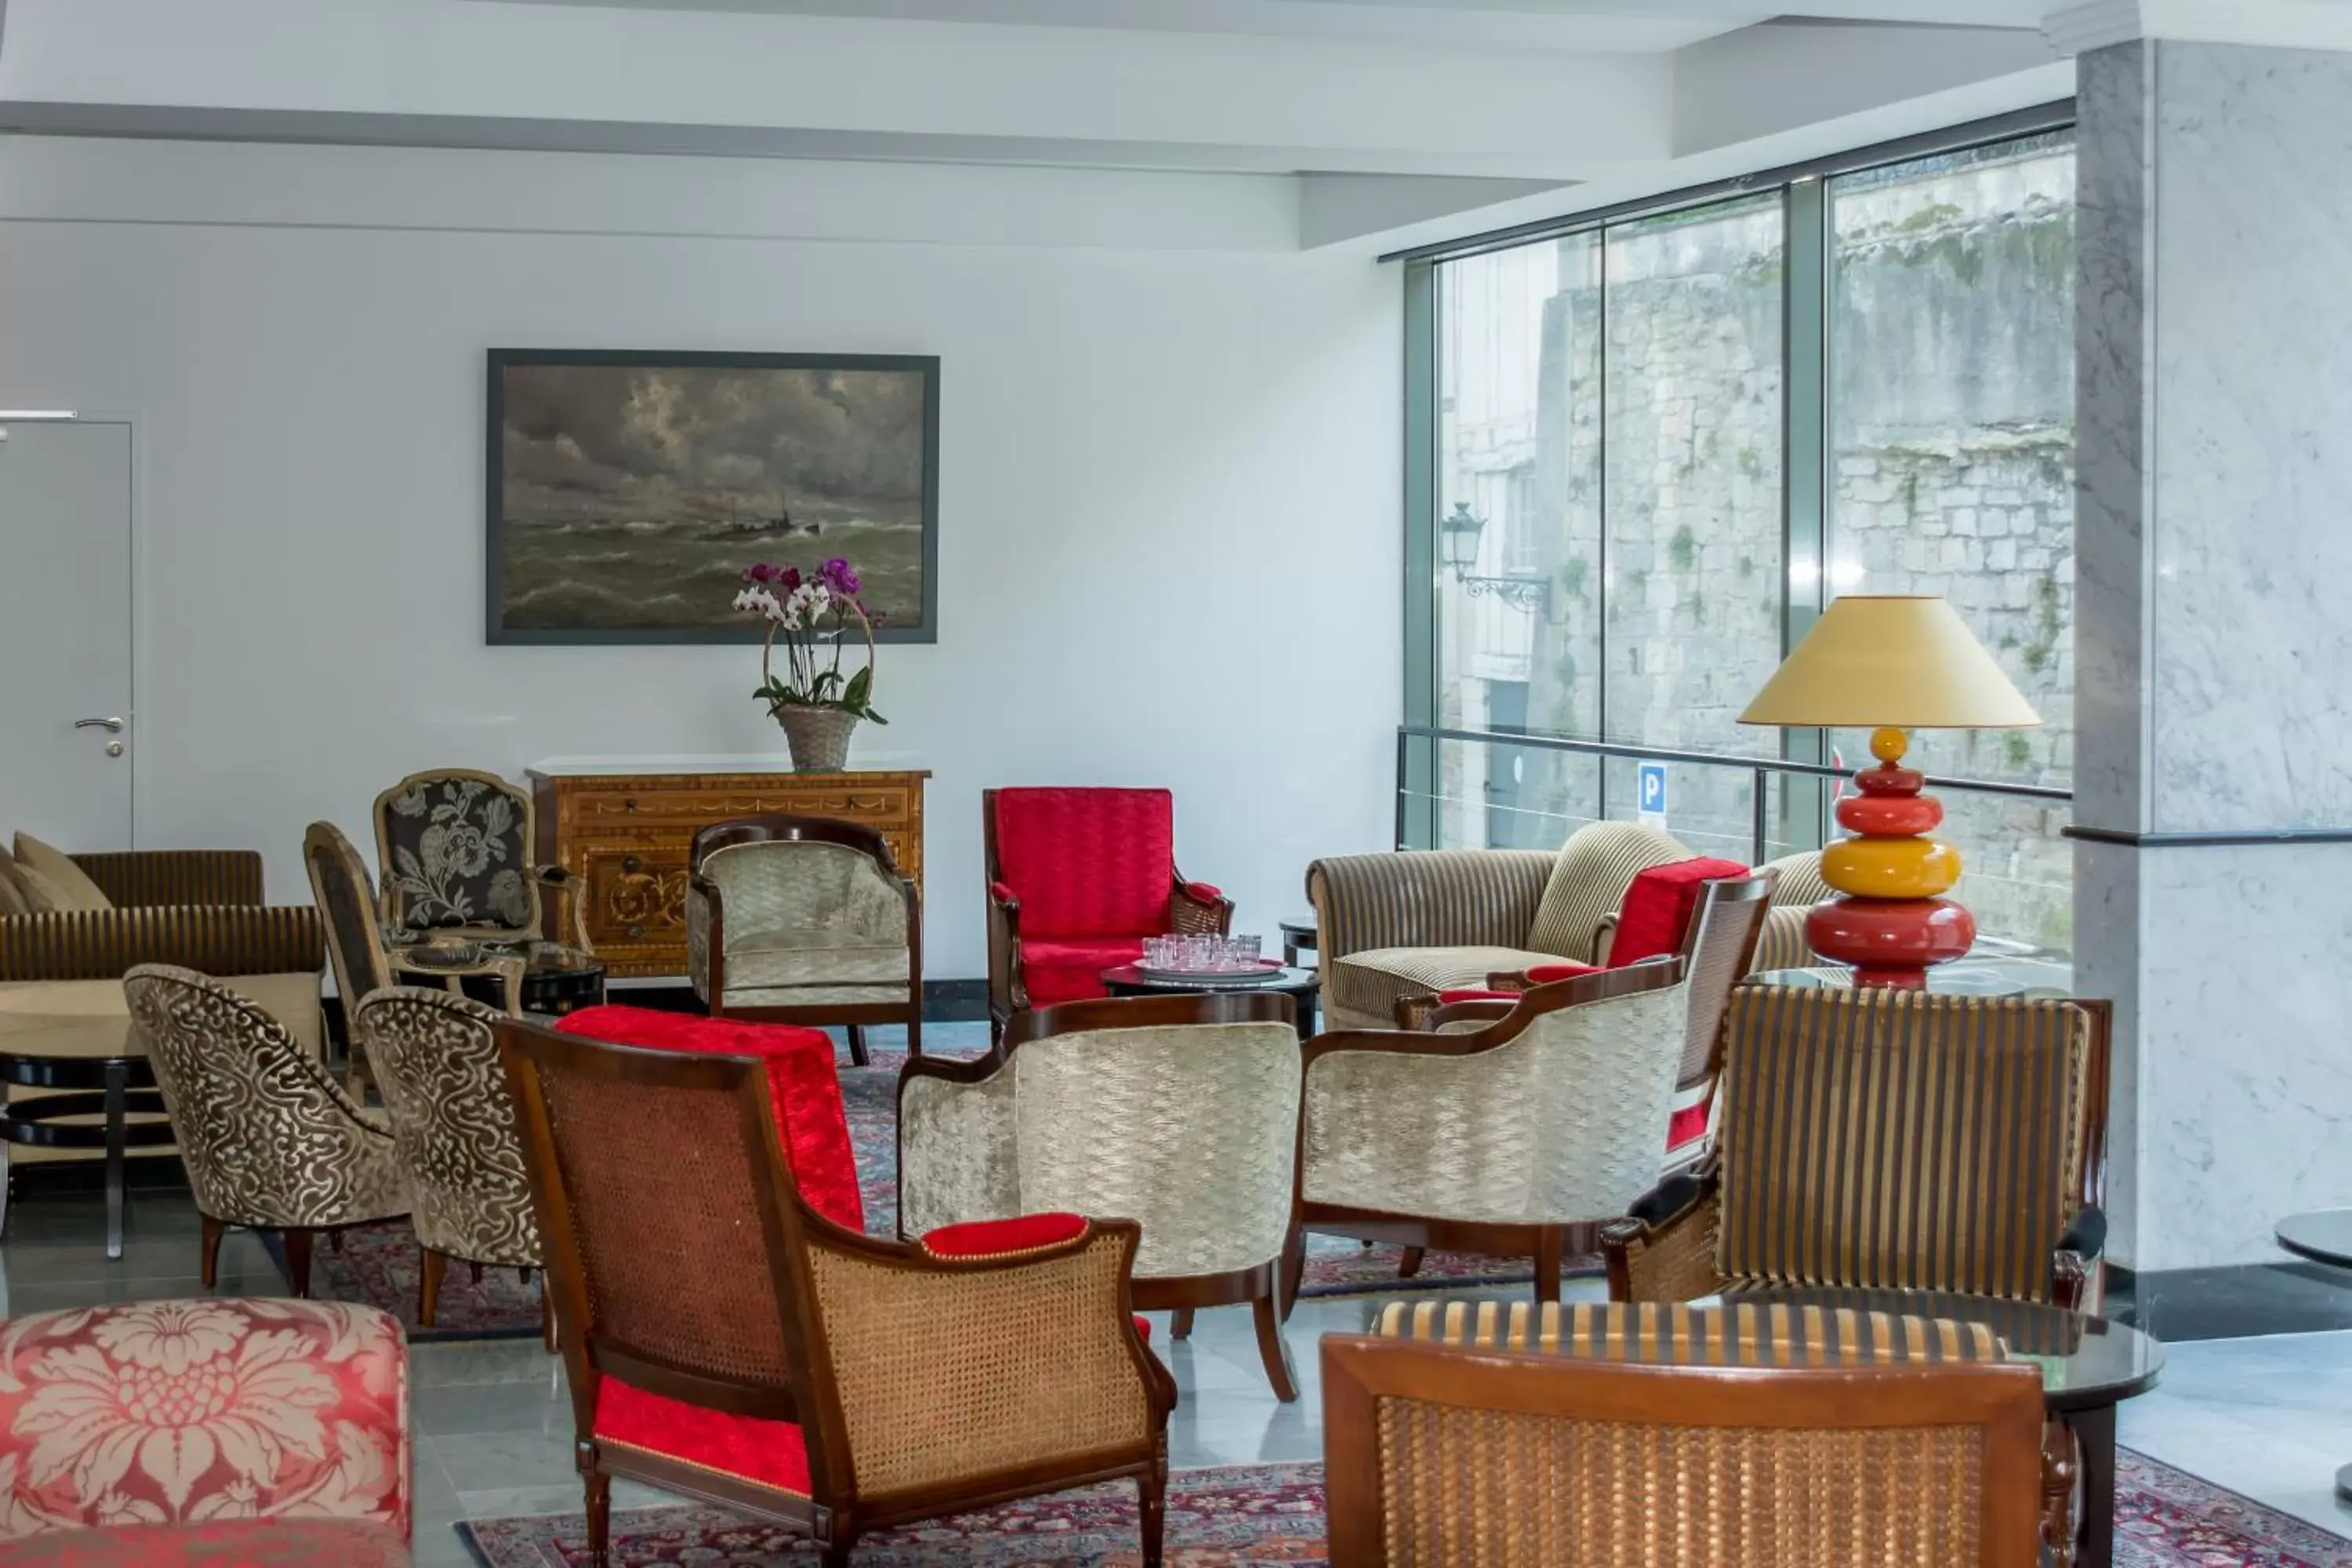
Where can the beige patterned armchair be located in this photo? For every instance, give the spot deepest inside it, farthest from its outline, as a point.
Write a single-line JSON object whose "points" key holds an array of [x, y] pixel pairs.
{"points": [[1181, 1112], [269, 1137], [454, 848], [803, 919], [1514, 1133], [437, 1061]]}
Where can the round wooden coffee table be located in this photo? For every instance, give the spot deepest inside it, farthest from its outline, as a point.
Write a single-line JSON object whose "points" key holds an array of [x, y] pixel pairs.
{"points": [[1301, 986], [79, 1039]]}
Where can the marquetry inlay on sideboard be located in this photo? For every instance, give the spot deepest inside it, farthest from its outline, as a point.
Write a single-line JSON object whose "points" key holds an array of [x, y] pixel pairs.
{"points": [[627, 837]]}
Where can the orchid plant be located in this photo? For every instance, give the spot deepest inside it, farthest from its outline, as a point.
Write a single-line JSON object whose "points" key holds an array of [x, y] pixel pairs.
{"points": [[810, 618]]}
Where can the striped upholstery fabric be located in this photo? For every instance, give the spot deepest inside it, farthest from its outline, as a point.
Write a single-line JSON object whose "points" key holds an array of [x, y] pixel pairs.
{"points": [[143, 879], [1733, 1334], [1890, 1138], [1417, 898], [1373, 982], [2023, 1328], [212, 938], [1587, 882], [1800, 884], [1781, 944]]}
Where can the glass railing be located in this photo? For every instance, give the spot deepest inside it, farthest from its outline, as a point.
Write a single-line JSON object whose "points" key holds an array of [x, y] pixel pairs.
{"points": [[1501, 789]]}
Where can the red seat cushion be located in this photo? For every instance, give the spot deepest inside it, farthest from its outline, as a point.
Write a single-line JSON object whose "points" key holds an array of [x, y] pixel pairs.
{"points": [[215, 1544], [1087, 862], [1447, 998], [802, 1081], [1657, 907], [1546, 974], [1063, 969], [771, 1453], [1687, 1125], [991, 1237]]}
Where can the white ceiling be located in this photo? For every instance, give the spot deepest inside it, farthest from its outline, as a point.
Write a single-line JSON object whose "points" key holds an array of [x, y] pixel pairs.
{"points": [[1389, 111]]}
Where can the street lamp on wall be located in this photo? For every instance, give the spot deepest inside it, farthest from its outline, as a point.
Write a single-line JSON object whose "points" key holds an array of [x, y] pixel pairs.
{"points": [[1457, 533]]}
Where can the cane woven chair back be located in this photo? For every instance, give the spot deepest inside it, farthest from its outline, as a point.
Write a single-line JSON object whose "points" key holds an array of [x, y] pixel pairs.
{"points": [[656, 1186], [1558, 1122], [436, 1058], [1436, 1456], [339, 881], [1717, 949], [1881, 1138], [269, 1137], [455, 846]]}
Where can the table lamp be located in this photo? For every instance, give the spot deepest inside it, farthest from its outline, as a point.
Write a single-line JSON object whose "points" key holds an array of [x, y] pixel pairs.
{"points": [[1890, 662]]}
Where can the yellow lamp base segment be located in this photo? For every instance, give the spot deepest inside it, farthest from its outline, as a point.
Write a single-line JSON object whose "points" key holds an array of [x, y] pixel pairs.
{"points": [[1891, 867]]}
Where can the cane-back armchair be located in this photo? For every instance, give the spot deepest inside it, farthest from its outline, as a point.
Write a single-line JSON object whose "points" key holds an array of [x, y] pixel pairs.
{"points": [[1518, 1129], [1180, 1112], [1467, 1433], [726, 1340], [1076, 879], [437, 1061], [1874, 1138], [454, 848], [803, 919], [271, 1139]]}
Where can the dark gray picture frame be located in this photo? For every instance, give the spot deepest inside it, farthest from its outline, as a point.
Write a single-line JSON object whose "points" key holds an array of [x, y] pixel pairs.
{"points": [[495, 525]]}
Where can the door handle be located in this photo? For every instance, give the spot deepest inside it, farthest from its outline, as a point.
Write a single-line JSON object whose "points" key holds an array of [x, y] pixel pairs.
{"points": [[115, 725]]}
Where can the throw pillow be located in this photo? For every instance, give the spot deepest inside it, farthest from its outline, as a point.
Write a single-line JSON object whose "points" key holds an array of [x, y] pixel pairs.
{"points": [[74, 891], [13, 901]]}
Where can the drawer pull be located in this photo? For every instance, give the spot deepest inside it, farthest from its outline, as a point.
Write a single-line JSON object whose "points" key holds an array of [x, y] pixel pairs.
{"points": [[636, 931], [630, 862], [629, 804]]}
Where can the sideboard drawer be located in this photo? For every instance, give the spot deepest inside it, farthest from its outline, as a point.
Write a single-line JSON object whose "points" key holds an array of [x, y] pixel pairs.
{"points": [[636, 894]]}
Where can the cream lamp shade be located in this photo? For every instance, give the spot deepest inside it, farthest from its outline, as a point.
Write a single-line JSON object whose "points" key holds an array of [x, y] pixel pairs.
{"points": [[1902, 659]]}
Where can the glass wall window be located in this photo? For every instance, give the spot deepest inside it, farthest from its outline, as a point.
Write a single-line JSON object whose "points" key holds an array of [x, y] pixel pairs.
{"points": [[1952, 471], [1661, 445]]}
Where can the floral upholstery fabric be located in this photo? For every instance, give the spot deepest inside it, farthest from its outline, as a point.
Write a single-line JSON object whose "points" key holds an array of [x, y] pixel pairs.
{"points": [[436, 1060], [456, 853], [179, 1412], [269, 1137], [219, 1543]]}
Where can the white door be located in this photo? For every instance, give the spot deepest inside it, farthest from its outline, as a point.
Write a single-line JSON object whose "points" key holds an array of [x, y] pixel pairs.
{"points": [[66, 742]]}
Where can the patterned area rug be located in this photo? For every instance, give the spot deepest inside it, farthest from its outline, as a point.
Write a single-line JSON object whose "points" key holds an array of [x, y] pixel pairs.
{"points": [[378, 1263], [1274, 1513]]}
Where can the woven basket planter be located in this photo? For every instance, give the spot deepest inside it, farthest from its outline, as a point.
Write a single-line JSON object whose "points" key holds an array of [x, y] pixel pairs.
{"points": [[818, 738]]}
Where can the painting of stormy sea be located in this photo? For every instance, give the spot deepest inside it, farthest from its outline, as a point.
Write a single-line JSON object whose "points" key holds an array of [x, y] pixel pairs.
{"points": [[629, 491]]}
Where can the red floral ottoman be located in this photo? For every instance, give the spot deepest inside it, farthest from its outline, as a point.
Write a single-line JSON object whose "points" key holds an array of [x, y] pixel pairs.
{"points": [[223, 1544], [183, 1412]]}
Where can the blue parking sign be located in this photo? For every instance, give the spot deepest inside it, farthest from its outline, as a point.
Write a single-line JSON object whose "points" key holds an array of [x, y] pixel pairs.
{"points": [[1652, 793]]}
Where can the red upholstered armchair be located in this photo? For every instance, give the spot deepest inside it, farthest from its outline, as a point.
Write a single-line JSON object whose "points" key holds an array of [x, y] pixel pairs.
{"points": [[1076, 879]]}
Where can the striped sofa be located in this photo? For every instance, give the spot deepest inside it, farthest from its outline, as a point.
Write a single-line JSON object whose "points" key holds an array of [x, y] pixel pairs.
{"points": [[1883, 1139], [1410, 923]]}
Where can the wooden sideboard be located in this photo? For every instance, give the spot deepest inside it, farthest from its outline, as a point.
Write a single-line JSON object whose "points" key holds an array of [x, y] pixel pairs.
{"points": [[627, 837]]}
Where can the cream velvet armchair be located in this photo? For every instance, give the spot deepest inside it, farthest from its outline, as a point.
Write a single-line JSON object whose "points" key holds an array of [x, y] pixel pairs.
{"points": [[803, 919], [1180, 1112], [1516, 1128]]}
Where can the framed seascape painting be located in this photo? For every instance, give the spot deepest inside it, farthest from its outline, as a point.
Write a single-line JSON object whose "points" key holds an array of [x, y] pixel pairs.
{"points": [[628, 491]]}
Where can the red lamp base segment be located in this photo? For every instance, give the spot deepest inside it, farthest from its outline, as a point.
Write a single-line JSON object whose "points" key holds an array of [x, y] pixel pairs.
{"points": [[1890, 941]]}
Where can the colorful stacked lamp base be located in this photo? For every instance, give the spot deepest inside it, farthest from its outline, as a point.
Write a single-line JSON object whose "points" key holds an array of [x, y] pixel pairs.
{"points": [[1891, 923]]}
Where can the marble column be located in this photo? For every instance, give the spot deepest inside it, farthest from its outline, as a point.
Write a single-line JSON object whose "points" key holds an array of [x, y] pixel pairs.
{"points": [[2214, 634]]}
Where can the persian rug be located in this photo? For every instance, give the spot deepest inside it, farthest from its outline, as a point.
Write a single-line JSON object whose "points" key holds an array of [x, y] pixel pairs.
{"points": [[378, 1263], [1274, 1513]]}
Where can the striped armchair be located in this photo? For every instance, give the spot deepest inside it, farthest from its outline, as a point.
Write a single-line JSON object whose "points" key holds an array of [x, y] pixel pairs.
{"points": [[2001, 1100], [1467, 1432]]}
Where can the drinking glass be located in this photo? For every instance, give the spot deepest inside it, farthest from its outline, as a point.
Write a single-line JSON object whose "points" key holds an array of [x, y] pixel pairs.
{"points": [[1242, 951]]}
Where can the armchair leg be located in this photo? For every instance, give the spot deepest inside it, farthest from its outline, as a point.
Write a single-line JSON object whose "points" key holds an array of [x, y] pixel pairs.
{"points": [[1410, 1264], [297, 1261], [210, 1268], [599, 1519], [1551, 1246], [546, 1316], [1180, 1324], [1273, 1350], [429, 1270], [857, 1054], [914, 1032], [1293, 1271], [1154, 1490]]}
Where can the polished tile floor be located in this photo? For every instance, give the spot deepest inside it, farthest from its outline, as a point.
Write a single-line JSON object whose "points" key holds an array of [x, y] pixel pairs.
{"points": [[2269, 1417]]}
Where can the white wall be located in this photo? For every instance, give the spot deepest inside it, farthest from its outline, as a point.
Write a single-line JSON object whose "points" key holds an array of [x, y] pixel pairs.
{"points": [[1169, 526]]}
